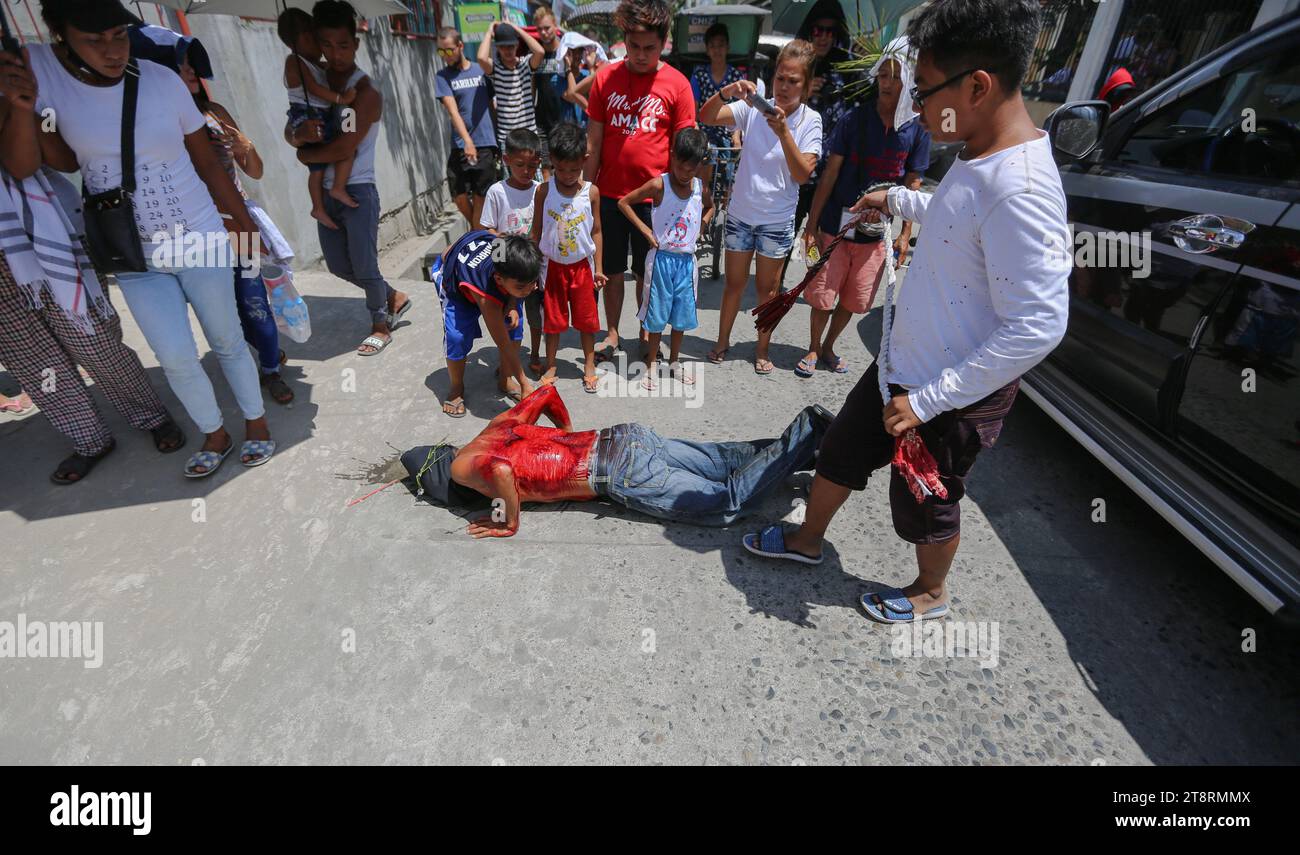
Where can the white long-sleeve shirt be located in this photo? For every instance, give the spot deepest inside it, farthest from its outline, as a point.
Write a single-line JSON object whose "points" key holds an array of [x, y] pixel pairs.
{"points": [[987, 294]]}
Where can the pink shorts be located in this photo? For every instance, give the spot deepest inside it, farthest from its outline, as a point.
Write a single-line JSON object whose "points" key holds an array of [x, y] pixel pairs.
{"points": [[852, 274]]}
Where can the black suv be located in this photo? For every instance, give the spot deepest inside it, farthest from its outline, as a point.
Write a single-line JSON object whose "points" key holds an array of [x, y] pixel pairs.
{"points": [[1179, 370]]}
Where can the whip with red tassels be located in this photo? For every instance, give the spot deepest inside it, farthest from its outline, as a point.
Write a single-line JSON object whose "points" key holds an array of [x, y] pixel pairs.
{"points": [[912, 460]]}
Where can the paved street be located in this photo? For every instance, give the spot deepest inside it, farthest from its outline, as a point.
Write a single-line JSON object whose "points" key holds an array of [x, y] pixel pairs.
{"points": [[258, 617]]}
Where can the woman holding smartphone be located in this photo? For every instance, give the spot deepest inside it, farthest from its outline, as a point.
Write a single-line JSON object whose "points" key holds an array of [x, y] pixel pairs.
{"points": [[780, 151]]}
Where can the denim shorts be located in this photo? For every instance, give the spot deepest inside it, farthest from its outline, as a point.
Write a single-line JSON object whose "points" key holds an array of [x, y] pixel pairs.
{"points": [[772, 241]]}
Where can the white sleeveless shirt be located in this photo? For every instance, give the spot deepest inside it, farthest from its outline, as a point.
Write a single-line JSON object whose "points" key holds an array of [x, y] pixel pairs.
{"points": [[566, 225], [676, 221]]}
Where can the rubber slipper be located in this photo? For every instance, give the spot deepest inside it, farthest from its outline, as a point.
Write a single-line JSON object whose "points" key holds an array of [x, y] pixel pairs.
{"points": [[679, 373], [806, 367], [374, 341], [210, 461], [647, 382], [770, 543], [280, 391], [717, 357], [18, 405], [841, 366], [258, 449], [397, 315], [165, 432], [591, 384], [457, 410], [891, 606], [79, 465], [760, 370], [605, 353]]}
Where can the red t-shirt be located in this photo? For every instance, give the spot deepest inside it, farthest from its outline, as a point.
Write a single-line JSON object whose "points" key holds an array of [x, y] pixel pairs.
{"points": [[641, 114]]}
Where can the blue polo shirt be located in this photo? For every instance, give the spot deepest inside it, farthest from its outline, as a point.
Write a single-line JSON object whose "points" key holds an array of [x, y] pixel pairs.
{"points": [[473, 93], [870, 155]]}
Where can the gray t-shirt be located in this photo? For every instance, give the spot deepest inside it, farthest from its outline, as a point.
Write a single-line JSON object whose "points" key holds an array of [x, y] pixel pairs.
{"points": [[473, 93]]}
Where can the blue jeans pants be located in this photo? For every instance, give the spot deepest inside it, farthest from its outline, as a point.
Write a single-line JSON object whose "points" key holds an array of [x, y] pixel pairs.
{"points": [[706, 483], [257, 320], [352, 250]]}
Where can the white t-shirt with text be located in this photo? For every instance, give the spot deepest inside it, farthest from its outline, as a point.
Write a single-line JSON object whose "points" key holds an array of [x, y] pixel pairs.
{"points": [[508, 211]]}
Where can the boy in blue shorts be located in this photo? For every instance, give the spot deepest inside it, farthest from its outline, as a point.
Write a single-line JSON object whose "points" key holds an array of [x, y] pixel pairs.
{"points": [[484, 276], [680, 206]]}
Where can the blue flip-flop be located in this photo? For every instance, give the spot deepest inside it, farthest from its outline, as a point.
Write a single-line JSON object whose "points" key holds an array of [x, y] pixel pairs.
{"points": [[210, 461], [805, 368], [258, 449], [892, 606], [770, 543]]}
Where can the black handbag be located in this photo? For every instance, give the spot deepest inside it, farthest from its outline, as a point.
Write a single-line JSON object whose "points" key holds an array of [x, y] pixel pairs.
{"points": [[112, 238]]}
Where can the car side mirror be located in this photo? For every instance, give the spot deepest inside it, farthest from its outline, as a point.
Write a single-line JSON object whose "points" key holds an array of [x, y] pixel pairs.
{"points": [[1075, 129]]}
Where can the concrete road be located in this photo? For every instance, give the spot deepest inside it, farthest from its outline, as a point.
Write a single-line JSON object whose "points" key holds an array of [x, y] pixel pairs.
{"points": [[261, 617]]}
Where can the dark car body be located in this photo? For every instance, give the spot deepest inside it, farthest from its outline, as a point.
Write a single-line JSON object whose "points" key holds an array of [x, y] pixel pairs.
{"points": [[1179, 370]]}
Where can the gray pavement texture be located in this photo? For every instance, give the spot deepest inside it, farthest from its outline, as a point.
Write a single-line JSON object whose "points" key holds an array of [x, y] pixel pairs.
{"points": [[275, 622]]}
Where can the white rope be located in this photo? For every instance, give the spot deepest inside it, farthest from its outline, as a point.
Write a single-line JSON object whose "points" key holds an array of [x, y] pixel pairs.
{"points": [[887, 322]]}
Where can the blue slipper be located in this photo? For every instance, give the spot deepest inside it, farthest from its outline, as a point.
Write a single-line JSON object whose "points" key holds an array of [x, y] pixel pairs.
{"points": [[806, 367], [258, 449], [770, 543], [210, 461], [891, 606]]}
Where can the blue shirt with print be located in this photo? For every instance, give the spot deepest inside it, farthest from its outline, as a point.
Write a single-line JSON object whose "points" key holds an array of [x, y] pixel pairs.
{"points": [[871, 155], [473, 93]]}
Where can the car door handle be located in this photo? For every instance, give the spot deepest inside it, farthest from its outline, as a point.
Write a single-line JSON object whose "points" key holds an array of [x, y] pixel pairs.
{"points": [[1202, 233]]}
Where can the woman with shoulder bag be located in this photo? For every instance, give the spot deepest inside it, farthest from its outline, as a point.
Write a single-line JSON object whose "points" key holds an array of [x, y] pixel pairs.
{"points": [[169, 189]]}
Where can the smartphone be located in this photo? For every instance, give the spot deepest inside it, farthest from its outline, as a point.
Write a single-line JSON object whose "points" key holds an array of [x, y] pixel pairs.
{"points": [[760, 103]]}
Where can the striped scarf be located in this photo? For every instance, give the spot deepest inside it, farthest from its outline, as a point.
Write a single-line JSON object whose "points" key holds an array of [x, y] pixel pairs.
{"points": [[44, 251]]}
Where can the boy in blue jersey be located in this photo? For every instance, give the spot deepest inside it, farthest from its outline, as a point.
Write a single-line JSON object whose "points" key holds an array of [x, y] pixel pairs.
{"points": [[485, 276]]}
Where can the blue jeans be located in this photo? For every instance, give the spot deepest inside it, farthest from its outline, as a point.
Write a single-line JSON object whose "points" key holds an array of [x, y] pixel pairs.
{"points": [[706, 483], [257, 320], [352, 250], [158, 300], [772, 241]]}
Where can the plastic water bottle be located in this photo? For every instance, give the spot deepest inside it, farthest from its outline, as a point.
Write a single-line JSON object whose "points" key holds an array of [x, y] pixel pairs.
{"points": [[290, 310]]}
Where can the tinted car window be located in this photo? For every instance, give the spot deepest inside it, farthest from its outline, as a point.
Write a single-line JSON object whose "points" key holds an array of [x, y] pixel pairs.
{"points": [[1244, 125]]}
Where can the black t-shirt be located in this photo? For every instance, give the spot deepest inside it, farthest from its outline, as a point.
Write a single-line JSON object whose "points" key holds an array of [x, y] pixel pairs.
{"points": [[551, 79]]}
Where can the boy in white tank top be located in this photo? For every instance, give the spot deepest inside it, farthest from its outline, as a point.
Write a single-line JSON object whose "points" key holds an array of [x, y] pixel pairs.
{"points": [[566, 227], [680, 207]]}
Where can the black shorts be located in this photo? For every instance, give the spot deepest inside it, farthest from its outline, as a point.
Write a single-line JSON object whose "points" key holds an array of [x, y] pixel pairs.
{"points": [[856, 444], [618, 234], [464, 177]]}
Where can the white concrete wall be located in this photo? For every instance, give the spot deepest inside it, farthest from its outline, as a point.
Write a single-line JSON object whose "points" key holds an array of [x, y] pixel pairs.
{"points": [[411, 157]]}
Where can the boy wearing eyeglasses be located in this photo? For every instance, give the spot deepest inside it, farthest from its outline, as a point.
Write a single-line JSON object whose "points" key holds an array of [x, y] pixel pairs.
{"points": [[466, 92], [986, 296]]}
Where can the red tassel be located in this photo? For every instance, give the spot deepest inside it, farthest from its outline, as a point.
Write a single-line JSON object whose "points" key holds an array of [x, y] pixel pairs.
{"points": [[769, 314], [920, 471]]}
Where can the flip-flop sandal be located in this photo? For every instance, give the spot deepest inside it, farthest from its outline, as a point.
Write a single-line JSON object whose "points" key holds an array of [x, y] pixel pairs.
{"points": [[605, 353], [18, 405], [397, 313], [717, 357], [647, 382], [168, 432], [591, 384], [841, 366], [79, 465], [679, 373], [258, 449], [280, 391], [891, 606], [770, 543], [210, 461], [806, 367], [457, 410], [758, 369], [376, 342]]}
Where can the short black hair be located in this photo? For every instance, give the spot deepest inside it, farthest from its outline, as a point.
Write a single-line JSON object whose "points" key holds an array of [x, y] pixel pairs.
{"points": [[568, 142], [718, 29], [522, 139], [691, 145], [333, 15], [649, 16], [996, 36], [520, 258], [291, 24]]}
